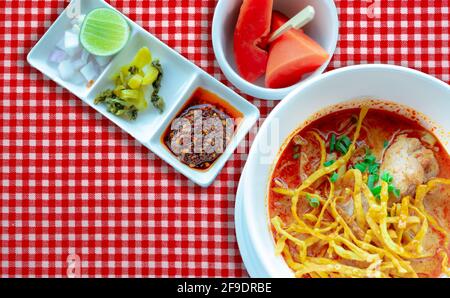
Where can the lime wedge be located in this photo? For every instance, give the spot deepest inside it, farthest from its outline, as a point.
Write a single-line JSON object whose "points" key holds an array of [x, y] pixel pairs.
{"points": [[104, 32]]}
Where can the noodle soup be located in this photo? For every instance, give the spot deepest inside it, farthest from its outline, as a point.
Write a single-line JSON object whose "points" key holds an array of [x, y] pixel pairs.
{"points": [[362, 193]]}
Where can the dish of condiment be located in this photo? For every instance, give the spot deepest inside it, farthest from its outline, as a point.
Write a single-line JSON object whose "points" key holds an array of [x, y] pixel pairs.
{"points": [[202, 129]]}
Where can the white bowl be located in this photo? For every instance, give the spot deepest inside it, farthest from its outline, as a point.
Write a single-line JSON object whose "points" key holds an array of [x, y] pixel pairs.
{"points": [[324, 29], [403, 86]]}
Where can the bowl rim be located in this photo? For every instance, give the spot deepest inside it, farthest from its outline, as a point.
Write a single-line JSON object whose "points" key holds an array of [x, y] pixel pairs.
{"points": [[257, 251], [255, 90]]}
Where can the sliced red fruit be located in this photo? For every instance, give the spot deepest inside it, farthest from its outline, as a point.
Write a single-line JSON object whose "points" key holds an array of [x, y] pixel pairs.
{"points": [[252, 28], [291, 56]]}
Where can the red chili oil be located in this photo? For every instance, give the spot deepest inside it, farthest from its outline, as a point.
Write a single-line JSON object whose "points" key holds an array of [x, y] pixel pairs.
{"points": [[205, 126]]}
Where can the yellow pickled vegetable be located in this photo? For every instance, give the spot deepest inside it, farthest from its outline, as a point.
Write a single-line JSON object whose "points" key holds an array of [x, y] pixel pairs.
{"points": [[143, 57], [129, 94], [135, 81], [151, 76], [141, 104], [118, 90], [127, 98], [139, 101], [124, 73]]}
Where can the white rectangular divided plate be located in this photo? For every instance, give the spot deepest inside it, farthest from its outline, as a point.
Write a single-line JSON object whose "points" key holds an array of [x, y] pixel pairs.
{"points": [[181, 78]]}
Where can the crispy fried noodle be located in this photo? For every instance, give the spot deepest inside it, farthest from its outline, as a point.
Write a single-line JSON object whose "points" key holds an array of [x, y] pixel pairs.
{"points": [[380, 239]]}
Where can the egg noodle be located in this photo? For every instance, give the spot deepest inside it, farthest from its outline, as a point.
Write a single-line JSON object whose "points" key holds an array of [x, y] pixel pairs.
{"points": [[391, 236]]}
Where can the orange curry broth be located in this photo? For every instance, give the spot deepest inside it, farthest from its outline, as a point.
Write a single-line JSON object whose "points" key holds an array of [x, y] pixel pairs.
{"points": [[383, 125]]}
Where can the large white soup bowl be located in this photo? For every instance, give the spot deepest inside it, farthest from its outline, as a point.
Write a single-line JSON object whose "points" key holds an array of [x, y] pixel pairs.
{"points": [[400, 85]]}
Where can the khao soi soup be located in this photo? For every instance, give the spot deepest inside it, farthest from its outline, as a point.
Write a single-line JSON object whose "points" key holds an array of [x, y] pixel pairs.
{"points": [[362, 193]]}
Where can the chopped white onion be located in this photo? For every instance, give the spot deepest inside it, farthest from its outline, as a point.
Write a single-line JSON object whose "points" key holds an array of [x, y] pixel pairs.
{"points": [[73, 52], [71, 44], [89, 71], [71, 40], [78, 78], [66, 70], [76, 29], [78, 20], [57, 56], [77, 64], [84, 56], [102, 61], [61, 45]]}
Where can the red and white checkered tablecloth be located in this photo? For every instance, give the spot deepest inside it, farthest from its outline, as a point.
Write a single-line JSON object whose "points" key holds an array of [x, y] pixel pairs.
{"points": [[73, 183]]}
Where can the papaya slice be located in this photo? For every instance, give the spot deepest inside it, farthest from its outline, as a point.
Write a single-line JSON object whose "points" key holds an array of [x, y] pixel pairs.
{"points": [[291, 56], [252, 29]]}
